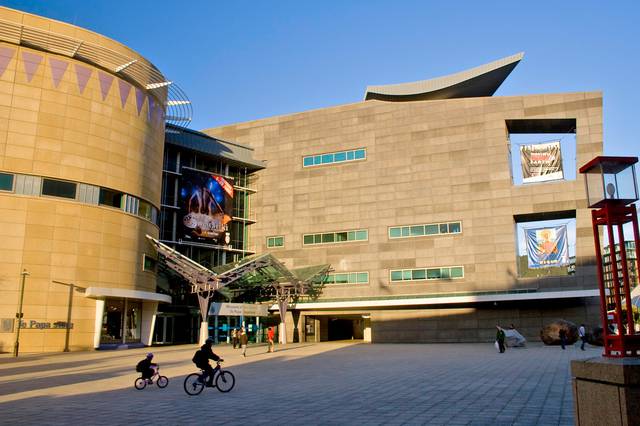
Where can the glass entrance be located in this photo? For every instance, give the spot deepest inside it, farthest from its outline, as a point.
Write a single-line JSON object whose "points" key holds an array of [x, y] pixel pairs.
{"points": [[121, 322]]}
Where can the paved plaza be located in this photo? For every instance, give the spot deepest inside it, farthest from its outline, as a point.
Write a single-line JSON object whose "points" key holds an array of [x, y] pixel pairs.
{"points": [[325, 384]]}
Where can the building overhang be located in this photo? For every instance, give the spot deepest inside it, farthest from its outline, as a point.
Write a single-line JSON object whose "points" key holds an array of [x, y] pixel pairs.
{"points": [[475, 82], [104, 292], [449, 300]]}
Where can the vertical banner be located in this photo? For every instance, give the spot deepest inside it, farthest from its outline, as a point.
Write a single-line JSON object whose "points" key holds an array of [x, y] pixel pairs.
{"points": [[541, 162], [547, 247], [206, 207]]}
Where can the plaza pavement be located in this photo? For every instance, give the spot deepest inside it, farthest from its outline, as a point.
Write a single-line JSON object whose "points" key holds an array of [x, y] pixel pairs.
{"points": [[300, 384]]}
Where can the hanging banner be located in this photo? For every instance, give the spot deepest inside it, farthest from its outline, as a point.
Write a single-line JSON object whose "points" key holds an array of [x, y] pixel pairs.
{"points": [[547, 247], [206, 207], [541, 162]]}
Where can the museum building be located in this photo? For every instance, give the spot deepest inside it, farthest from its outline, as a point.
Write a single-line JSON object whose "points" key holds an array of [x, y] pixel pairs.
{"points": [[423, 197]]}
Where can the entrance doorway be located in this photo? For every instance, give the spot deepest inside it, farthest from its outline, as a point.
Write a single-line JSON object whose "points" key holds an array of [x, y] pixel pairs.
{"points": [[345, 328]]}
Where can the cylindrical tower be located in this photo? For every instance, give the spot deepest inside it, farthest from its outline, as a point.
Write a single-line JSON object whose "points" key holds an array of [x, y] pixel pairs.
{"points": [[81, 147]]}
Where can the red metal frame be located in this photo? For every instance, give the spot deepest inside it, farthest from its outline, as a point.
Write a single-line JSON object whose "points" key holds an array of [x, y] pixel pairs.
{"points": [[625, 342]]}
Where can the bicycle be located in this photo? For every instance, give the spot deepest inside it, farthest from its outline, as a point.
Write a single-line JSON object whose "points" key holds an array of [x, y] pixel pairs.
{"points": [[161, 381], [194, 383]]}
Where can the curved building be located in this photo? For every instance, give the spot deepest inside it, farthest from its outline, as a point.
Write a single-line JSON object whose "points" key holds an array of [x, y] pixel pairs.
{"points": [[81, 148]]}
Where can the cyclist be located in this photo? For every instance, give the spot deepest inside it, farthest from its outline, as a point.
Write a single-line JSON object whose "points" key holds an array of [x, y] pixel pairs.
{"points": [[147, 368], [201, 359]]}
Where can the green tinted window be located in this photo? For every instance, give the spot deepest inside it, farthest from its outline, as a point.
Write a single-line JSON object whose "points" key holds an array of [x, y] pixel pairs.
{"points": [[317, 160], [395, 232], [361, 235], [444, 229], [340, 156], [417, 231], [431, 229], [396, 275], [341, 236], [308, 239], [406, 231], [6, 182], [406, 275], [457, 272], [58, 188], [334, 157], [363, 277], [360, 154], [444, 273], [342, 278], [454, 227], [317, 239], [327, 238], [418, 274], [327, 158], [433, 274], [308, 161], [350, 155]]}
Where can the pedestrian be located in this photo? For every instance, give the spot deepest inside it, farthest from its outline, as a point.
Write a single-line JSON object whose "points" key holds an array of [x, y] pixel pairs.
{"points": [[583, 336], [563, 337], [234, 337], [500, 336], [270, 335], [244, 340]]}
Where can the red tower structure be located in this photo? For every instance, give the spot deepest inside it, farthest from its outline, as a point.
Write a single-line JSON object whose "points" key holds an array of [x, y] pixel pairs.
{"points": [[611, 191]]}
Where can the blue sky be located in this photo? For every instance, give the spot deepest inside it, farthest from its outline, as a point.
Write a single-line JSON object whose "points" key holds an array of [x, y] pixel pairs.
{"points": [[244, 60]]}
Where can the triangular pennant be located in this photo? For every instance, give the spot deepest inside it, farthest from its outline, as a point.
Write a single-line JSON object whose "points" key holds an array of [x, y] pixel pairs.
{"points": [[6, 55], [31, 62], [125, 88], [139, 99], [105, 83], [58, 68], [152, 107], [82, 75]]}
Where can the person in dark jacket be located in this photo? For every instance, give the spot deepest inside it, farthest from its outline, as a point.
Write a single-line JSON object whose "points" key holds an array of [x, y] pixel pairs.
{"points": [[201, 359], [147, 368], [500, 338]]}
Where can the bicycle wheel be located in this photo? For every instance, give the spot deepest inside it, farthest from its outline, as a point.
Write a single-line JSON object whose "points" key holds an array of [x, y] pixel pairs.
{"points": [[193, 384], [162, 381], [225, 381], [140, 383]]}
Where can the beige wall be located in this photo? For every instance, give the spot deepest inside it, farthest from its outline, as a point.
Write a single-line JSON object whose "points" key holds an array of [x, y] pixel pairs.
{"points": [[427, 161], [63, 133]]}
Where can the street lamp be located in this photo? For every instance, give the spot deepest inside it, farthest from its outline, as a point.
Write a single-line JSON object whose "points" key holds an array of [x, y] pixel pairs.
{"points": [[69, 306], [16, 346]]}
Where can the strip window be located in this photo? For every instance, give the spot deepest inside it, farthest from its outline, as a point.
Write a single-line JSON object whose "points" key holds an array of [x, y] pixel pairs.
{"points": [[425, 230], [347, 278], [277, 241], [422, 274], [6, 182], [334, 157], [336, 237], [59, 188]]}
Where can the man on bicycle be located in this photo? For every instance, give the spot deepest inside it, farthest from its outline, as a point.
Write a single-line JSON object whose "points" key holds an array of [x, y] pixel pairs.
{"points": [[147, 368], [201, 359]]}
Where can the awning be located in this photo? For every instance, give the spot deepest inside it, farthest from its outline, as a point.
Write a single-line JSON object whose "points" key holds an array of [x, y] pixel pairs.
{"points": [[103, 292]]}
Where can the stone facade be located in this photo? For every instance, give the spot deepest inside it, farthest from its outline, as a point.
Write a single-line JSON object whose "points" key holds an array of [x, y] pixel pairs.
{"points": [[426, 162]]}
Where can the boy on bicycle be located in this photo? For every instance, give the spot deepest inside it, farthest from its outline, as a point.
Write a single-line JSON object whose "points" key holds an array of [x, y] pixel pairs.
{"points": [[201, 359], [147, 368]]}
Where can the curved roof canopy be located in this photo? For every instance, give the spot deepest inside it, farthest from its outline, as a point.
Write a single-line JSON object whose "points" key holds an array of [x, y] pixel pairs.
{"points": [[475, 82]]}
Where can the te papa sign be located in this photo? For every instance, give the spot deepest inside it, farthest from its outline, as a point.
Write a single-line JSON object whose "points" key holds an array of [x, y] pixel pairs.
{"points": [[33, 324]]}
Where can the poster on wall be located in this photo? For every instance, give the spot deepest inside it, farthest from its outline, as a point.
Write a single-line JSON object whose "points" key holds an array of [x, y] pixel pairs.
{"points": [[206, 202], [541, 162], [547, 247]]}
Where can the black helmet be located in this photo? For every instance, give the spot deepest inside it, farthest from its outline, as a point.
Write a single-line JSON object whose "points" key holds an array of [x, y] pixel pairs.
{"points": [[209, 340]]}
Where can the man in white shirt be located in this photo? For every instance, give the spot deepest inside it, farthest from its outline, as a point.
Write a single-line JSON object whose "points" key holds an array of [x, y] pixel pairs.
{"points": [[583, 336]]}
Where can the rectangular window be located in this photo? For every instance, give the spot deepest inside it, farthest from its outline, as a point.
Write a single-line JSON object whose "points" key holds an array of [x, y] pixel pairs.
{"points": [[427, 229], [6, 182], [334, 157], [347, 278], [335, 237], [275, 241], [422, 274], [148, 263], [59, 188], [145, 210], [110, 198]]}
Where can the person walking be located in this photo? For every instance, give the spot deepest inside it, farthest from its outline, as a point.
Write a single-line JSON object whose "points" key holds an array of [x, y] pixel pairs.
{"points": [[583, 336], [270, 336], [244, 340], [563, 338], [234, 337], [500, 336]]}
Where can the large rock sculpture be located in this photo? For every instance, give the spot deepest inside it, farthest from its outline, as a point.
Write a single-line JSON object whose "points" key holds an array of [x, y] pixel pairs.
{"points": [[550, 333], [513, 339]]}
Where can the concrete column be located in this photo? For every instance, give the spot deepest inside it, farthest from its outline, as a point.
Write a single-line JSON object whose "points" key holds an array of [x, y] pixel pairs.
{"points": [[367, 329], [98, 323], [149, 311], [204, 332]]}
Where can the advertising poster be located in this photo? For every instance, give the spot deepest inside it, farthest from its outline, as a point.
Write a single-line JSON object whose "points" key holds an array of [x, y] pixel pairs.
{"points": [[206, 202], [547, 247], [541, 162]]}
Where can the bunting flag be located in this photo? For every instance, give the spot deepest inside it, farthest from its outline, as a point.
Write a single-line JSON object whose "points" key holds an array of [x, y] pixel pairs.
{"points": [[31, 62], [125, 88], [547, 247], [139, 99], [106, 80], [82, 75], [6, 55], [58, 68]]}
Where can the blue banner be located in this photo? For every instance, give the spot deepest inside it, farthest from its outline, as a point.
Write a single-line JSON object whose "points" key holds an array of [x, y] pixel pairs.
{"points": [[547, 247]]}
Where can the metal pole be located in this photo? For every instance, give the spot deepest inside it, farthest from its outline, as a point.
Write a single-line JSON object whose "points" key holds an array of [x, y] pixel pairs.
{"points": [[68, 325], [16, 346]]}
